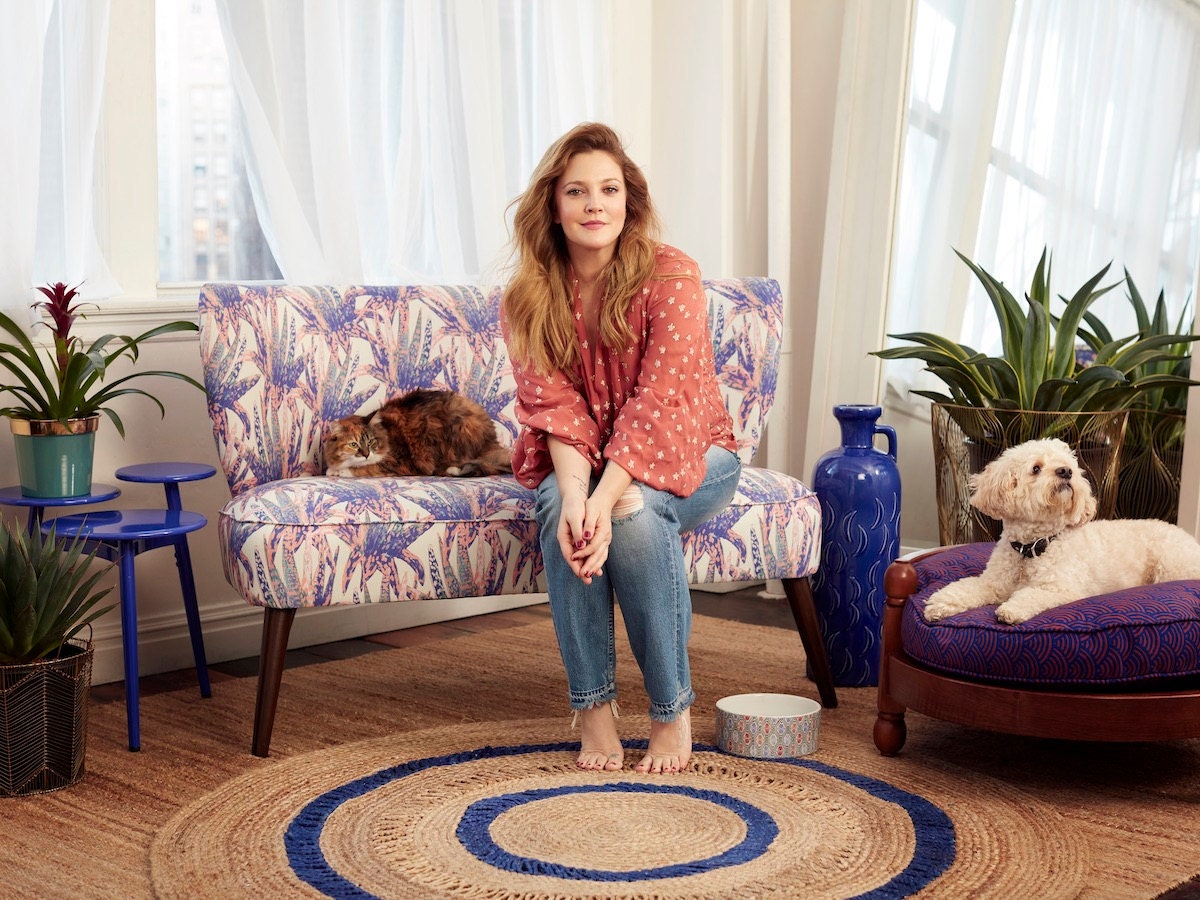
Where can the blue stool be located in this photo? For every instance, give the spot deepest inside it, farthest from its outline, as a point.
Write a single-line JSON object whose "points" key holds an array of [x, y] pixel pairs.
{"points": [[120, 535]]}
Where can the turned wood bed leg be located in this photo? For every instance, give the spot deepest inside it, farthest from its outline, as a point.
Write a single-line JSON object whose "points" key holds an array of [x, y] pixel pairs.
{"points": [[804, 611], [899, 583], [277, 625]]}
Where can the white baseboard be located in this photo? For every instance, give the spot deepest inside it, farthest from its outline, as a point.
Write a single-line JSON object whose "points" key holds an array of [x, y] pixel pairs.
{"points": [[234, 631]]}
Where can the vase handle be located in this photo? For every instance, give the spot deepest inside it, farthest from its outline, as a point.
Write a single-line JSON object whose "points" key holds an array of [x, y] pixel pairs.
{"points": [[890, 433]]}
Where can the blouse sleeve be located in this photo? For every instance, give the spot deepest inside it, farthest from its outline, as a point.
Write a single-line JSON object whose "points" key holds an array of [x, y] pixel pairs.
{"points": [[548, 405], [664, 430]]}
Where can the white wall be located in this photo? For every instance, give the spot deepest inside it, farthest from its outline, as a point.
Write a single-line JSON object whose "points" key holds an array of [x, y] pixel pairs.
{"points": [[733, 119]]}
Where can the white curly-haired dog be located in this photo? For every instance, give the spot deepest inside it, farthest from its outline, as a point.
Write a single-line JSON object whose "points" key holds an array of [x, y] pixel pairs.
{"points": [[1050, 552]]}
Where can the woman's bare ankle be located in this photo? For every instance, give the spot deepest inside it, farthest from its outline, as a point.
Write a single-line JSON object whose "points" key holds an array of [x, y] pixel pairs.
{"points": [[670, 747]]}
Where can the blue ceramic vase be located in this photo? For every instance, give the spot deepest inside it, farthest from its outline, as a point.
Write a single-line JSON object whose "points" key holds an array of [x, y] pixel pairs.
{"points": [[859, 489]]}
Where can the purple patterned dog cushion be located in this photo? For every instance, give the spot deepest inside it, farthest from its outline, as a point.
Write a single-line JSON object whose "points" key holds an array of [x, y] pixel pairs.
{"points": [[1142, 634]]}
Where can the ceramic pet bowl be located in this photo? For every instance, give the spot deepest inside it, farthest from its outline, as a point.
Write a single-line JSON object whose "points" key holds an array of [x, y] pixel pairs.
{"points": [[768, 726]]}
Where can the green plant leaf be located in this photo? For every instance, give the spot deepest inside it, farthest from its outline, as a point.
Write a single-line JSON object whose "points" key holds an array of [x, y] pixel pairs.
{"points": [[68, 384], [1070, 320], [48, 592], [1037, 366]]}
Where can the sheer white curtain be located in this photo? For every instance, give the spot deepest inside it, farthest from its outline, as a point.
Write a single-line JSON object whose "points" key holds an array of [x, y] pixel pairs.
{"points": [[386, 139], [52, 55], [1047, 123]]}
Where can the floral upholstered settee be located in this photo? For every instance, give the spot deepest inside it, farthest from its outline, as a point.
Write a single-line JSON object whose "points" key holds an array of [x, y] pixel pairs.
{"points": [[282, 362]]}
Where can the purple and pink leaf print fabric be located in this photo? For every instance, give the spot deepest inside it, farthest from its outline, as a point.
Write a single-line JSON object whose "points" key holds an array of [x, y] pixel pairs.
{"points": [[281, 362]]}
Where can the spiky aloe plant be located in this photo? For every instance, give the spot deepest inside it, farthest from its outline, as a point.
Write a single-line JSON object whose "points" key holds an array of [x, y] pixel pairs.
{"points": [[1152, 454], [1168, 371], [1038, 369], [47, 594], [67, 382]]}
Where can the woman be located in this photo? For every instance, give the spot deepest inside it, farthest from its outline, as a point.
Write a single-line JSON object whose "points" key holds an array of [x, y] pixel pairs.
{"points": [[624, 435]]}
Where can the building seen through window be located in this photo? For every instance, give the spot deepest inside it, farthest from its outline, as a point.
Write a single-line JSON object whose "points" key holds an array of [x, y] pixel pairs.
{"points": [[207, 226]]}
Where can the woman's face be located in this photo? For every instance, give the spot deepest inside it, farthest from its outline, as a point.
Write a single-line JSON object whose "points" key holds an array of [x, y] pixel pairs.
{"points": [[589, 204]]}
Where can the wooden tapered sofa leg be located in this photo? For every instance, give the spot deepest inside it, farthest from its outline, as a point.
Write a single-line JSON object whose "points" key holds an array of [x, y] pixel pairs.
{"points": [[804, 611], [277, 625]]}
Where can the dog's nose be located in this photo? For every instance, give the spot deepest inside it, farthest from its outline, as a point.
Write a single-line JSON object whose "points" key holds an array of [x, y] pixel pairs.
{"points": [[1063, 472]]}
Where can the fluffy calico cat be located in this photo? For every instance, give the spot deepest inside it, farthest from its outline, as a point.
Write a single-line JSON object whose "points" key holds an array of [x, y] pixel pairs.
{"points": [[423, 432]]}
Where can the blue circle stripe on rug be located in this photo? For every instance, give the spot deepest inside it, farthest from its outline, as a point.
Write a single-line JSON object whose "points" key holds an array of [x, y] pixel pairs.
{"points": [[933, 851], [474, 834]]}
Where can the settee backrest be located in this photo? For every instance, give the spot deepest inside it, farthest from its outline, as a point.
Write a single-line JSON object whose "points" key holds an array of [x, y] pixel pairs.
{"points": [[281, 362]]}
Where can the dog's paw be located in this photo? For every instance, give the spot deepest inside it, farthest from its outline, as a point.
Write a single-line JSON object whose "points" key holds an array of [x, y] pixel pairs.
{"points": [[936, 610], [1011, 615]]}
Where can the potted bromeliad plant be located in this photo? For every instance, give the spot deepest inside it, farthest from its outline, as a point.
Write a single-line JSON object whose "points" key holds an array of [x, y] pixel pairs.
{"points": [[48, 595], [59, 392], [1041, 385]]}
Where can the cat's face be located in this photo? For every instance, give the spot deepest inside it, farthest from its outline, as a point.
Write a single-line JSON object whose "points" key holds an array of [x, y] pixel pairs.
{"points": [[353, 442]]}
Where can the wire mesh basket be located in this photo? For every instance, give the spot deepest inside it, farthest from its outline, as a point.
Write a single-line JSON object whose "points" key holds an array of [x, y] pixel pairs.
{"points": [[43, 719], [1151, 466]]}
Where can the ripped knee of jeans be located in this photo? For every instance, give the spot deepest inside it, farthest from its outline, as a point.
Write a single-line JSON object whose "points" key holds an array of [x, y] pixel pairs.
{"points": [[628, 503]]}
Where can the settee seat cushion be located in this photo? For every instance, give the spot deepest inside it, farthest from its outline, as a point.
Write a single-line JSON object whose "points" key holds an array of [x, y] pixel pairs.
{"points": [[1131, 637], [320, 541]]}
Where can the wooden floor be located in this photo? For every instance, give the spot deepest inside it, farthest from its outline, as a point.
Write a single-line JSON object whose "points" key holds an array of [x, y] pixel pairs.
{"points": [[751, 605]]}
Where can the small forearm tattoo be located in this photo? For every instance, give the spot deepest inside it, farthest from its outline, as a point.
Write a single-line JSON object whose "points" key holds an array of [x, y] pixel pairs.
{"points": [[581, 482]]}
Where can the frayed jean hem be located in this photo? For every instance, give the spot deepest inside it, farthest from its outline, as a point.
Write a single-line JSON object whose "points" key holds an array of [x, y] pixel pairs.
{"points": [[597, 697], [660, 712]]}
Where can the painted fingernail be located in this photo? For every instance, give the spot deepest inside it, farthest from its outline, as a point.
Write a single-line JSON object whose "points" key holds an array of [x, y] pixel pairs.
{"points": [[587, 535], [579, 545]]}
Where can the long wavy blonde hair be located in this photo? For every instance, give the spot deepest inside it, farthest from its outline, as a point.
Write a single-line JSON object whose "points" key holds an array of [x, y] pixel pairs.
{"points": [[537, 302]]}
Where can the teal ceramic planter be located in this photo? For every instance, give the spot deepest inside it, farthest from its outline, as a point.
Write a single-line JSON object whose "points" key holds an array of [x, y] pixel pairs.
{"points": [[54, 460]]}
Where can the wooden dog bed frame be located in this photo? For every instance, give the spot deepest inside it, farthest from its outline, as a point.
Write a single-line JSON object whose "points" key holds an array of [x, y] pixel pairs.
{"points": [[905, 684]]}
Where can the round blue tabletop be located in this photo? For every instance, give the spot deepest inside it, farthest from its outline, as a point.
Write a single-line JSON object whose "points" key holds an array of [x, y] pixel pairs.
{"points": [[12, 496], [166, 472], [126, 524]]}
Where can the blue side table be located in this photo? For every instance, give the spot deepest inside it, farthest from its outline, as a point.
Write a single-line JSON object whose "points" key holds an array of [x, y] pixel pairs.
{"points": [[120, 535], [12, 496]]}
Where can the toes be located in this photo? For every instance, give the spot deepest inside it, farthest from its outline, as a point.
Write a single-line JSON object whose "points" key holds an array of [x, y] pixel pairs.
{"points": [[590, 761], [600, 760], [660, 765]]}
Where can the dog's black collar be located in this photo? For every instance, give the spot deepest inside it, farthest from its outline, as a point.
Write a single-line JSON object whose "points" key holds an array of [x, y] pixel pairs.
{"points": [[1037, 548]]}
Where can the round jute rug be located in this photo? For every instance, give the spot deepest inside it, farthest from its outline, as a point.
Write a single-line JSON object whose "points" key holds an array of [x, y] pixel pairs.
{"points": [[488, 811]]}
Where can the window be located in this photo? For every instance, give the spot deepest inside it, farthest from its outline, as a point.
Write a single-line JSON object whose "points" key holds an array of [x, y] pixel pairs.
{"points": [[1091, 139], [205, 161]]}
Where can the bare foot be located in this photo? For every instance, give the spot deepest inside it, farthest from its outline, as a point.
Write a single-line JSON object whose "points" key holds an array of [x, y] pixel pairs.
{"points": [[670, 747], [599, 746]]}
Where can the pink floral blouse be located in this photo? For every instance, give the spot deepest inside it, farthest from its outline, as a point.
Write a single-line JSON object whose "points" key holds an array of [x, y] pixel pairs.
{"points": [[653, 408]]}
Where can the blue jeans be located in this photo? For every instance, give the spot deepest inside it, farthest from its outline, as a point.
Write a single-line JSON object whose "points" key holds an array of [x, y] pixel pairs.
{"points": [[645, 568]]}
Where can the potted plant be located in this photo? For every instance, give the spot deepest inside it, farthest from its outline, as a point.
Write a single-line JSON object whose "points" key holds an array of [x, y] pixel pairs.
{"points": [[1040, 386], [60, 394], [48, 595]]}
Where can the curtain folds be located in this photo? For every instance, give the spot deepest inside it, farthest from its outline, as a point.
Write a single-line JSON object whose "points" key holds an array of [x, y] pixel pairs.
{"points": [[1090, 144], [386, 139], [52, 59]]}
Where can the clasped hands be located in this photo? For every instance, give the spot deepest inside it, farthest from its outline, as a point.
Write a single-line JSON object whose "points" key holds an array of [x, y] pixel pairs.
{"points": [[584, 534]]}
